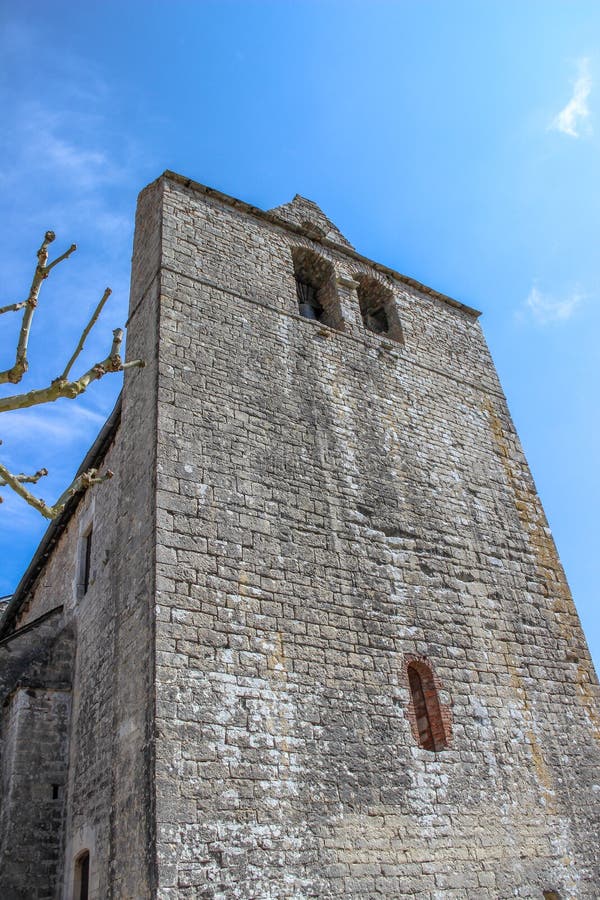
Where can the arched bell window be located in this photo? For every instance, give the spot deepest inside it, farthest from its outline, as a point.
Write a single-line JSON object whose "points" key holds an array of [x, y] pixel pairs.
{"points": [[316, 288], [429, 721], [378, 307]]}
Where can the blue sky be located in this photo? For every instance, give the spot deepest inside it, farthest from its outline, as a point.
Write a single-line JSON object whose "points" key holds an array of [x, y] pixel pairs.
{"points": [[456, 142]]}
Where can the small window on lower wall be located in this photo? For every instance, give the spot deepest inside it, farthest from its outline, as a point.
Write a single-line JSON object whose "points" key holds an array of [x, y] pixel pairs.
{"points": [[551, 895], [81, 884], [430, 720]]}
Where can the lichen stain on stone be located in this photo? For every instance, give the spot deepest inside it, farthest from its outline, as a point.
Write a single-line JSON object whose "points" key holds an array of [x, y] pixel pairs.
{"points": [[542, 770], [548, 567], [276, 661], [587, 697], [543, 773], [530, 513]]}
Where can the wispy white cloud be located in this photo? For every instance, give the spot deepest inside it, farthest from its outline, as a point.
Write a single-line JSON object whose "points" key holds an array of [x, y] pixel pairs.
{"points": [[570, 119], [548, 309], [66, 168], [53, 437], [50, 423], [65, 146], [24, 522]]}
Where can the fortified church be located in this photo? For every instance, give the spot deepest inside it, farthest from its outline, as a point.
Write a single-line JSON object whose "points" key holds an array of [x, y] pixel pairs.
{"points": [[313, 640]]}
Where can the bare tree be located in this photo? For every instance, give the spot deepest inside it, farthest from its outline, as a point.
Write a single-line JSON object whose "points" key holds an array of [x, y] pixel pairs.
{"points": [[62, 386]]}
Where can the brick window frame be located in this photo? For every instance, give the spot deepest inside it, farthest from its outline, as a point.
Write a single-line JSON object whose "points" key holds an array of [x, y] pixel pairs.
{"points": [[81, 879], [430, 718]]}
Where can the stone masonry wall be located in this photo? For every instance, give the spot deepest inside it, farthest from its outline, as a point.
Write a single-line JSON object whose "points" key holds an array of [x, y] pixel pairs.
{"points": [[299, 516], [132, 852], [34, 765], [111, 765], [89, 780], [35, 686], [330, 506]]}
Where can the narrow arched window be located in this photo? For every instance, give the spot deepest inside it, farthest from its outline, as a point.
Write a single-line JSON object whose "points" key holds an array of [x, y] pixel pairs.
{"points": [[87, 559], [426, 713], [81, 887], [84, 562]]}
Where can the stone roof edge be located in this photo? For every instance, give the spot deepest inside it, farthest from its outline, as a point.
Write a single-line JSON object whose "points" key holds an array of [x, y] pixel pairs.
{"points": [[297, 229], [54, 531]]}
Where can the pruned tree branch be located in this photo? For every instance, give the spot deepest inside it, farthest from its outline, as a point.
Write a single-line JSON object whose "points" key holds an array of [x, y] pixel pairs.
{"points": [[42, 270], [27, 479], [13, 307], [85, 333], [81, 483], [62, 386], [59, 259]]}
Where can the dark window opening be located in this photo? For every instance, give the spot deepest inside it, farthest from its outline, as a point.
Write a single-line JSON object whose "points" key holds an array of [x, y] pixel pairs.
{"points": [[377, 307], [377, 320], [87, 559], [55, 791], [426, 708], [308, 303], [82, 876]]}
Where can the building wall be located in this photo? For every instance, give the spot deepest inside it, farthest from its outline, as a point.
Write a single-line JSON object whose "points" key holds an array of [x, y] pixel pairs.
{"points": [[330, 506], [82, 714], [110, 807], [34, 768], [132, 850], [103, 716]]}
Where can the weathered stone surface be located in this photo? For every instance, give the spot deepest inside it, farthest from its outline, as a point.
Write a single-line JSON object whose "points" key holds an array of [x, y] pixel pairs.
{"points": [[298, 513]]}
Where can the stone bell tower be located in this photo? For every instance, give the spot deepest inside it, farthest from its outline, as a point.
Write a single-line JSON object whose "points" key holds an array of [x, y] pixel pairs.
{"points": [[327, 648]]}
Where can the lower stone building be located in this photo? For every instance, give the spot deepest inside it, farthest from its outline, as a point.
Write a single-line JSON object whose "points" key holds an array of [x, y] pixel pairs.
{"points": [[313, 639]]}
